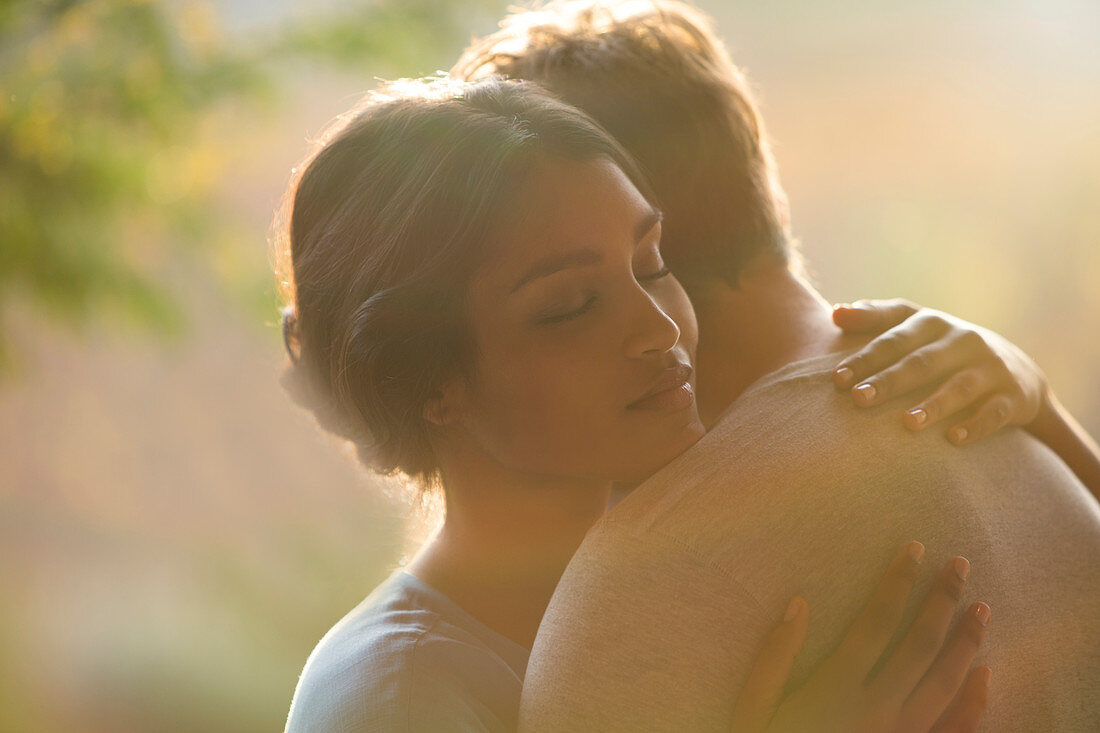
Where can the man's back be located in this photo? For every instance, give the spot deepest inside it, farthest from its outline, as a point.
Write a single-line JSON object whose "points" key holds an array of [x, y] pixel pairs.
{"points": [[660, 614]]}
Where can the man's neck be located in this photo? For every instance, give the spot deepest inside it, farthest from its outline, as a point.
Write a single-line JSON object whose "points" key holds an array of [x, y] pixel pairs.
{"points": [[773, 318]]}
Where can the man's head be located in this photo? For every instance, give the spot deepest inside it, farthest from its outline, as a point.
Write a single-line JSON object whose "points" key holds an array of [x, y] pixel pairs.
{"points": [[656, 77]]}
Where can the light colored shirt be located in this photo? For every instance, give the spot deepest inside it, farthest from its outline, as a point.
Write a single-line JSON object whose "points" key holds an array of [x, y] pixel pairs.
{"points": [[660, 614], [408, 659]]}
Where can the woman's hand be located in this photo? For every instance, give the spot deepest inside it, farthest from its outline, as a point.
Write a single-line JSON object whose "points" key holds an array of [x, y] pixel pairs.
{"points": [[974, 367], [919, 688]]}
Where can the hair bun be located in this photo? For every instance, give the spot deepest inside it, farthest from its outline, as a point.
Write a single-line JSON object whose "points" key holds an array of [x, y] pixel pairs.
{"points": [[302, 387], [308, 390], [290, 334]]}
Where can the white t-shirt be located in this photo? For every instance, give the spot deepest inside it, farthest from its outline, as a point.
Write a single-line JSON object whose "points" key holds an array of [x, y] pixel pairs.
{"points": [[408, 659], [659, 616]]}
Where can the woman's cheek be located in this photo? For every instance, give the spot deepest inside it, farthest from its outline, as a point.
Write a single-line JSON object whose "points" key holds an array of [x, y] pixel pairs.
{"points": [[566, 391], [566, 384]]}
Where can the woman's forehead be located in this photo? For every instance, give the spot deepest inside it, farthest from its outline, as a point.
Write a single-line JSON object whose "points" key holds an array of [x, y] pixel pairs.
{"points": [[565, 206]]}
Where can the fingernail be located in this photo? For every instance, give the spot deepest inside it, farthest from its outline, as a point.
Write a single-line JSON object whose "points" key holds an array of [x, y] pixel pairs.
{"points": [[916, 551], [845, 375], [958, 434], [962, 568], [919, 416], [982, 613], [792, 609], [839, 306], [986, 673], [866, 391]]}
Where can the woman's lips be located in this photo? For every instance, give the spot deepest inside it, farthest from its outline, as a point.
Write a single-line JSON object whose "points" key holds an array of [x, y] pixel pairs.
{"points": [[671, 392]]}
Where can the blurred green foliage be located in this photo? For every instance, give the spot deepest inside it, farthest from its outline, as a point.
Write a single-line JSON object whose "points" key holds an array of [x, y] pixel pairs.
{"points": [[103, 169]]}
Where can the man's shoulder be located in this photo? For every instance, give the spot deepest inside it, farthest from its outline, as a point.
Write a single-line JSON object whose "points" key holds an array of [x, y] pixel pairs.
{"points": [[790, 423], [793, 455]]}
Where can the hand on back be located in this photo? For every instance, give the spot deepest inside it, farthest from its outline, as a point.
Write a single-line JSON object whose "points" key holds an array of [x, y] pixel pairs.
{"points": [[926, 684], [975, 369]]}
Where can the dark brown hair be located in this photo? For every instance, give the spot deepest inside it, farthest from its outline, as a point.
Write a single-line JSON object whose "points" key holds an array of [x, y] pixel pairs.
{"points": [[381, 231], [658, 79]]}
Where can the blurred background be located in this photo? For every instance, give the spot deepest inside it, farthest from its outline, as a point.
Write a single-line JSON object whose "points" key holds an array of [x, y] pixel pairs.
{"points": [[175, 535]]}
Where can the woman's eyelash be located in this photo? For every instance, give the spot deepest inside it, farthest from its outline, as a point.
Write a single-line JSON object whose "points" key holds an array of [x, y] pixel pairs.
{"points": [[571, 314], [588, 304], [663, 272]]}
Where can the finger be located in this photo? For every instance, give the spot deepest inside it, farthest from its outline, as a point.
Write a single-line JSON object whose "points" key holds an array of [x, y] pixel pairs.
{"points": [[966, 712], [888, 348], [872, 316], [876, 624], [921, 645], [919, 368], [762, 691], [961, 390], [939, 687], [993, 415]]}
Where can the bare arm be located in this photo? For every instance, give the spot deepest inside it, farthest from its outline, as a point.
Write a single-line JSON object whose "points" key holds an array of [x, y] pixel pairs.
{"points": [[1065, 436]]}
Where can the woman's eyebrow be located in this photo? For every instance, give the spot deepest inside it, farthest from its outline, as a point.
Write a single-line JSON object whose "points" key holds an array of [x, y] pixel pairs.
{"points": [[584, 257], [559, 262]]}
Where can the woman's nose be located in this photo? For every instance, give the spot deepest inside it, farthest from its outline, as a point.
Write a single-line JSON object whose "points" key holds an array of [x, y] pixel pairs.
{"points": [[651, 329]]}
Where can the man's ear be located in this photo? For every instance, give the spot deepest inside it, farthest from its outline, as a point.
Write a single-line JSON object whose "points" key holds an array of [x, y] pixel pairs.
{"points": [[447, 404]]}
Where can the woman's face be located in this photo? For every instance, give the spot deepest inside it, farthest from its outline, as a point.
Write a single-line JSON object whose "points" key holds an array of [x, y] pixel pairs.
{"points": [[585, 344]]}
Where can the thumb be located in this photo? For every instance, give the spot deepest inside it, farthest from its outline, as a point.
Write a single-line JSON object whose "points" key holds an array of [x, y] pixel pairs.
{"points": [[872, 316]]}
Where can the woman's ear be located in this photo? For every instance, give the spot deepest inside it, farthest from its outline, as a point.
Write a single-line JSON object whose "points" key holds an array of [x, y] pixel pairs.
{"points": [[447, 404]]}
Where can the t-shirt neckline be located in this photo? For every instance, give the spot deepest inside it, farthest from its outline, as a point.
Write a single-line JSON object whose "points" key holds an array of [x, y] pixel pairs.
{"points": [[514, 654]]}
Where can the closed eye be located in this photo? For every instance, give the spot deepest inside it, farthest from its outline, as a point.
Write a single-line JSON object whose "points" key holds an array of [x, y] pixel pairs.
{"points": [[561, 318]]}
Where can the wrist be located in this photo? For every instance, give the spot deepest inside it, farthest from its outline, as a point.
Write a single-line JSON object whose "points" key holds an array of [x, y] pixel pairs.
{"points": [[1049, 416]]}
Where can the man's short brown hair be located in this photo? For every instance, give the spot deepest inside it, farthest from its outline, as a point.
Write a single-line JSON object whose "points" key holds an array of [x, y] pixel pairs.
{"points": [[658, 79]]}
